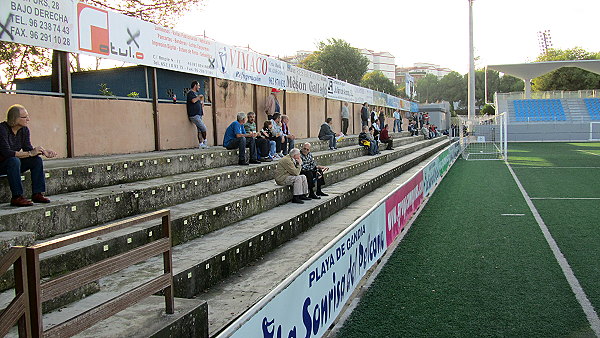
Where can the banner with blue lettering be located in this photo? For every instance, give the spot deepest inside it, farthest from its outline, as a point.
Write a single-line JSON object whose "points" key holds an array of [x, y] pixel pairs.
{"points": [[308, 306]]}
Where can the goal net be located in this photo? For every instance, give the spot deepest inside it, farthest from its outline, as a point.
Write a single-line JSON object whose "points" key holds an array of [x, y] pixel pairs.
{"points": [[484, 138]]}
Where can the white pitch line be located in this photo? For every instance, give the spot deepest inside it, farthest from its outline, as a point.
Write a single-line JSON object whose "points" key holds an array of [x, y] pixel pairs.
{"points": [[589, 152], [512, 214], [580, 295], [557, 168], [565, 198]]}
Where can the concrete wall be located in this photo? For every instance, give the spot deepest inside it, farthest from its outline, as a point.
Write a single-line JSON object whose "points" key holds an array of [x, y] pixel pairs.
{"points": [[296, 110], [47, 119], [112, 127], [109, 126]]}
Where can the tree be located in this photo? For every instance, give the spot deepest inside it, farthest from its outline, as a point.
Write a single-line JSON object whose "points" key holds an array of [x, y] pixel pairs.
{"points": [[18, 60], [453, 87], [428, 89], [377, 81], [488, 109], [337, 58], [568, 78], [164, 12]]}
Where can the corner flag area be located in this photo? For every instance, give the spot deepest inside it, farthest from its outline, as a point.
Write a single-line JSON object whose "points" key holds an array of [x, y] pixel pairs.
{"points": [[485, 258]]}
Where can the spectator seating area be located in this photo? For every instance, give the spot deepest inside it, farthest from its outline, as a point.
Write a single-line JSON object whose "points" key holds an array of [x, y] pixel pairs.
{"points": [[539, 110], [224, 217], [593, 107]]}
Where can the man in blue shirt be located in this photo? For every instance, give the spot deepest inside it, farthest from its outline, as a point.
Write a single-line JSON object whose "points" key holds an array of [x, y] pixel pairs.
{"points": [[236, 137]]}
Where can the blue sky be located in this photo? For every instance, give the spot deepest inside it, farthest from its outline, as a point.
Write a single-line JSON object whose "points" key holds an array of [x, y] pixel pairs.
{"points": [[434, 31]]}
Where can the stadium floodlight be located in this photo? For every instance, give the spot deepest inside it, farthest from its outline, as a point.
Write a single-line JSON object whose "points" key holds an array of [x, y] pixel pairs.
{"points": [[471, 89]]}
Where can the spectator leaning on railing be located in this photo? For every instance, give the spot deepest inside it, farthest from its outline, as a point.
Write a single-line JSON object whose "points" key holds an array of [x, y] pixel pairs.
{"points": [[17, 155]]}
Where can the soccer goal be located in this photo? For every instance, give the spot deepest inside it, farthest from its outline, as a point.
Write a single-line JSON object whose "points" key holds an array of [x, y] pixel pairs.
{"points": [[484, 138]]}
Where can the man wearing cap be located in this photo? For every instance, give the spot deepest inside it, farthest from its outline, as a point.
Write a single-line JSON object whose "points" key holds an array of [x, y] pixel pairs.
{"points": [[272, 105]]}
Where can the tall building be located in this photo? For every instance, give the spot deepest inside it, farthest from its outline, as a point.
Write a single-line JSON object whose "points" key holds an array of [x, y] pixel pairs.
{"points": [[382, 61], [419, 70]]}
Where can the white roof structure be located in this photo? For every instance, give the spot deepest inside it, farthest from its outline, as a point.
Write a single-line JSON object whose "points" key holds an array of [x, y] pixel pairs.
{"points": [[528, 71]]}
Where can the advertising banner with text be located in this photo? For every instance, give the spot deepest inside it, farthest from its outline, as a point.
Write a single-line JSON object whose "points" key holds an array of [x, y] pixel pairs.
{"points": [[308, 306], [47, 23], [70, 26], [301, 80], [402, 205]]}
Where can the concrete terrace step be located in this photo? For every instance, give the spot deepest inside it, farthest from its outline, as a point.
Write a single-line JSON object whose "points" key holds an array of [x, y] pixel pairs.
{"points": [[199, 217], [229, 299], [77, 210], [68, 175], [206, 261]]}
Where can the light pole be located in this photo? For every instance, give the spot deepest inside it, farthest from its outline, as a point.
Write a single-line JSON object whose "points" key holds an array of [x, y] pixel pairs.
{"points": [[471, 111]]}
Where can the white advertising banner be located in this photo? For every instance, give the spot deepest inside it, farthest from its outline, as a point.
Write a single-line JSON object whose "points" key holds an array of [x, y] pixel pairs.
{"points": [[242, 65], [116, 36], [302, 80], [339, 90], [308, 306], [362, 95], [43, 23]]}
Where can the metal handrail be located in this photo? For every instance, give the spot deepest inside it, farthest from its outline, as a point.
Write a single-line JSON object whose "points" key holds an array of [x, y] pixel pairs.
{"points": [[40, 292], [18, 309]]}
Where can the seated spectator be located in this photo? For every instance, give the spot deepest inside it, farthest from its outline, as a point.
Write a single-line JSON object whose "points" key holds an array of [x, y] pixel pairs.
{"points": [[327, 134], [262, 144], [236, 137], [384, 137], [17, 155], [313, 172], [425, 131], [287, 172], [278, 132], [366, 139], [274, 141], [413, 128], [289, 139]]}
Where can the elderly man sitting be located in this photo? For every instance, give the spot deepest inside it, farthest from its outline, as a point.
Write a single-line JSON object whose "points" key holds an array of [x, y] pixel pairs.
{"points": [[288, 173], [236, 137], [313, 172]]}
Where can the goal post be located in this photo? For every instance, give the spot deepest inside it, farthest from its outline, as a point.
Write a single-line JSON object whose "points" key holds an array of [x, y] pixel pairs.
{"points": [[484, 138]]}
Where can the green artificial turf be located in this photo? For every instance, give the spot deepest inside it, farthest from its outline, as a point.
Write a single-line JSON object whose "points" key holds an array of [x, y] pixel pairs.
{"points": [[567, 154], [463, 270], [575, 226]]}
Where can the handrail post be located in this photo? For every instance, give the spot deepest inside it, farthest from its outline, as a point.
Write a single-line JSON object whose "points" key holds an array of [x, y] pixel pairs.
{"points": [[33, 284], [168, 265]]}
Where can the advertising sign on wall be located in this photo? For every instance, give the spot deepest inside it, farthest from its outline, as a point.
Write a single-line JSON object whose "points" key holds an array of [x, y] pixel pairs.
{"points": [[402, 205], [362, 95], [243, 65], [339, 90], [49, 24], [301, 80], [308, 306]]}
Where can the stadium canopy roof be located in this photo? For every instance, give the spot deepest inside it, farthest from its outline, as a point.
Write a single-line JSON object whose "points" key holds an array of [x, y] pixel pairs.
{"points": [[528, 71]]}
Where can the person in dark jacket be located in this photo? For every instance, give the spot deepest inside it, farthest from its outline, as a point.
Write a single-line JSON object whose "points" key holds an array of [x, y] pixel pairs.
{"points": [[364, 114], [366, 139], [17, 155], [327, 134]]}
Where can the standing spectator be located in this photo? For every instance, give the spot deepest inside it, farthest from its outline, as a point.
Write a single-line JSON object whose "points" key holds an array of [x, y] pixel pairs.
{"points": [[288, 142], [426, 118], [381, 119], [17, 155], [195, 111], [364, 114], [420, 120], [397, 121], [313, 172], [272, 105], [236, 137], [262, 143], [345, 118], [287, 172], [375, 129], [327, 134], [373, 115], [384, 137], [366, 139]]}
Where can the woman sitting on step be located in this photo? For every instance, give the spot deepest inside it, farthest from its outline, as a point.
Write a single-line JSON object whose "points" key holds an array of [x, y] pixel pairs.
{"points": [[17, 155]]}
